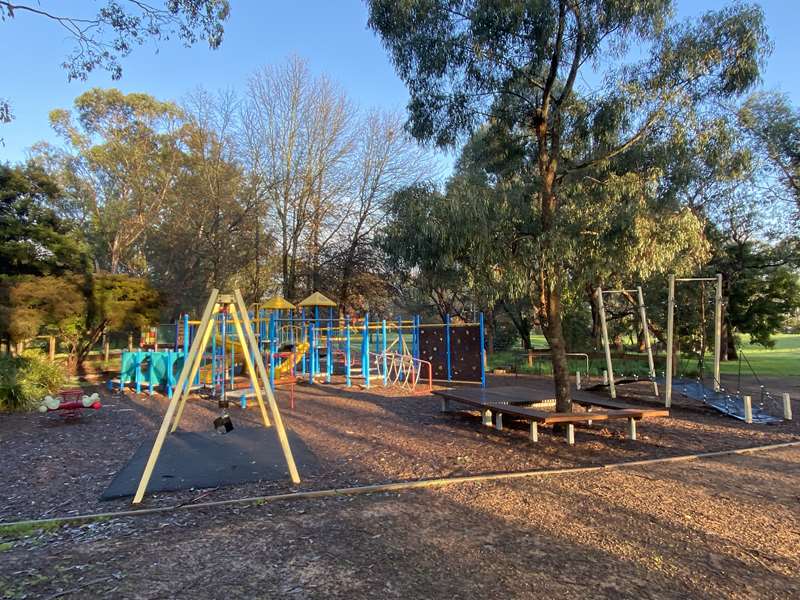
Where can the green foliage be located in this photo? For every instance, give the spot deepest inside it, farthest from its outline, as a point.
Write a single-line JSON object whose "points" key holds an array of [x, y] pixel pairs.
{"points": [[31, 305], [77, 309], [26, 379], [121, 169], [762, 289], [124, 303], [34, 240], [775, 127], [517, 66], [417, 243], [111, 34]]}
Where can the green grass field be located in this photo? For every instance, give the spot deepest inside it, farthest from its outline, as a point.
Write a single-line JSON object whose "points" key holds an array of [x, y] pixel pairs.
{"points": [[782, 361]]}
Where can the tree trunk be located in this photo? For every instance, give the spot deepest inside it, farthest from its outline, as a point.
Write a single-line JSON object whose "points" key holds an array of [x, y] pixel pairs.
{"points": [[522, 324], [724, 342], [595, 333], [558, 351], [550, 279]]}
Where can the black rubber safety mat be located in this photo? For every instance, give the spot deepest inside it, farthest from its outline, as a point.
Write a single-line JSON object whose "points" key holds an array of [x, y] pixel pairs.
{"points": [[191, 459]]}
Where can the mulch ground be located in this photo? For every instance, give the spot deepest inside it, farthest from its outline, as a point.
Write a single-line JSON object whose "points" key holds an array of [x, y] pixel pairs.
{"points": [[721, 528], [54, 467], [726, 527]]}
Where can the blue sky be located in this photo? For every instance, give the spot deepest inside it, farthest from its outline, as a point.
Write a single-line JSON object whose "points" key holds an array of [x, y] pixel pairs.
{"points": [[331, 35]]}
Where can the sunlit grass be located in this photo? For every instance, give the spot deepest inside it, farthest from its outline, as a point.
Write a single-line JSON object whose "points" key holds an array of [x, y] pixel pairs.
{"points": [[783, 361]]}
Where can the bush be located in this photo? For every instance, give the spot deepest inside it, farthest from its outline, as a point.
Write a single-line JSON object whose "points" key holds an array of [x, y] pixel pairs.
{"points": [[26, 379], [505, 335]]}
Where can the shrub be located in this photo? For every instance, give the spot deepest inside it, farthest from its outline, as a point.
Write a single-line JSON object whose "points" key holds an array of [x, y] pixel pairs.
{"points": [[26, 379]]}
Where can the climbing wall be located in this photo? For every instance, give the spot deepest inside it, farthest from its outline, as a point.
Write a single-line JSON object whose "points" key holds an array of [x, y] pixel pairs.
{"points": [[465, 351]]}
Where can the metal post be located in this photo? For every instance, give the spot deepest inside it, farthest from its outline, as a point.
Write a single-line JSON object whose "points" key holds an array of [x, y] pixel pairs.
{"points": [[137, 362], [651, 365], [170, 364], [315, 357], [233, 365], [670, 326], [328, 353], [304, 329], [365, 351], [151, 372], [185, 335], [606, 346], [312, 371], [447, 346], [787, 407], [717, 331], [347, 351], [383, 352], [329, 365], [748, 409], [214, 356], [483, 353], [271, 345], [400, 344]]}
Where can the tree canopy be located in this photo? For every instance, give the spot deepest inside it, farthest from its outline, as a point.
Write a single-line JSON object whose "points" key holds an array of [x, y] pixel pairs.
{"points": [[516, 64], [102, 40], [34, 240]]}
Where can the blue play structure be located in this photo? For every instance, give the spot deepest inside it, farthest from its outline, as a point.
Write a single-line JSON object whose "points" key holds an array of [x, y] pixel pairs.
{"points": [[314, 344], [149, 368]]}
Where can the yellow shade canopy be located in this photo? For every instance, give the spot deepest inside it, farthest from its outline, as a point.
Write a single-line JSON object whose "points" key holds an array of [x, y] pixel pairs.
{"points": [[277, 303], [317, 299]]}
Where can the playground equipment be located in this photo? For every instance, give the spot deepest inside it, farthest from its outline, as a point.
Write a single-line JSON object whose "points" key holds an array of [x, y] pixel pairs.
{"points": [[612, 383], [234, 307], [404, 353], [151, 368], [72, 402], [314, 342], [731, 404]]}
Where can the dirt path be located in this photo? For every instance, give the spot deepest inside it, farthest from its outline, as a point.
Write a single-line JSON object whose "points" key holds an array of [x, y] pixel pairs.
{"points": [[722, 528]]}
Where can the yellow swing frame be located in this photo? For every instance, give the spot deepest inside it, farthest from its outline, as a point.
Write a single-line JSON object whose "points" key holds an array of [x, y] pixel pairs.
{"points": [[235, 306]]}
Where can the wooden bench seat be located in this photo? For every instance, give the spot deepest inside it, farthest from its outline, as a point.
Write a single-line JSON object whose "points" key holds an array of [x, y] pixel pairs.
{"points": [[499, 405], [537, 417]]}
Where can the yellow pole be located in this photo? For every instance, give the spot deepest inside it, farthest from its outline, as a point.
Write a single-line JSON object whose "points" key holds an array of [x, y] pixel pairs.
{"points": [[176, 395], [250, 369], [273, 406], [196, 359]]}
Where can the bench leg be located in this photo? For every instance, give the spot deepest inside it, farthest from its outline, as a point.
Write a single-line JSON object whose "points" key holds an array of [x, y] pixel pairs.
{"points": [[534, 431], [498, 421], [445, 405], [632, 429], [487, 417], [570, 434], [589, 409]]}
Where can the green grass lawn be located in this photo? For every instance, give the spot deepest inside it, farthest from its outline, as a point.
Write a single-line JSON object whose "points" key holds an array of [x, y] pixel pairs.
{"points": [[783, 361]]}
